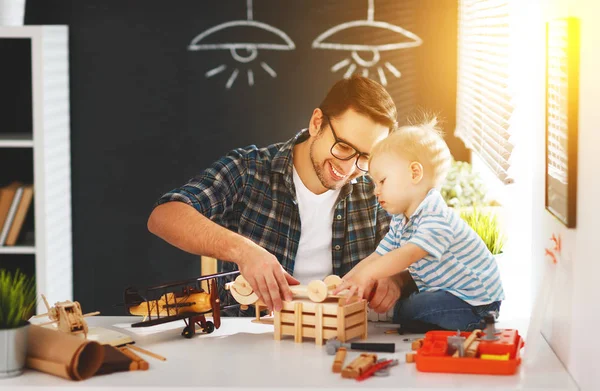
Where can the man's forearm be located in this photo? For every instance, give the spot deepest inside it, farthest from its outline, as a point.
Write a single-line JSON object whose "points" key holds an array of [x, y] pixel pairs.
{"points": [[182, 226]]}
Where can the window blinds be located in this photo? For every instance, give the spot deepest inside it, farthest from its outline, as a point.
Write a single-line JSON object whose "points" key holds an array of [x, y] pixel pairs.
{"points": [[483, 102], [557, 102]]}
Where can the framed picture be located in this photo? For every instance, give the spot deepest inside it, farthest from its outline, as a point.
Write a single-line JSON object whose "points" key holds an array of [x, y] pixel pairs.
{"points": [[562, 112]]}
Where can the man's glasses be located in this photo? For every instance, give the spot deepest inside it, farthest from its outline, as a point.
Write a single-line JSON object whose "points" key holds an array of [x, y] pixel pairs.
{"points": [[344, 151]]}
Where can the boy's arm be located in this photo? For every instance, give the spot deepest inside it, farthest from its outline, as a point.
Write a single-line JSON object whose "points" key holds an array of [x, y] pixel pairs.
{"points": [[361, 265], [377, 267], [392, 263]]}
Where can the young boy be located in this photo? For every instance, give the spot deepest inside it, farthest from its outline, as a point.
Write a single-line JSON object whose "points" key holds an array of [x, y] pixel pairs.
{"points": [[457, 277]]}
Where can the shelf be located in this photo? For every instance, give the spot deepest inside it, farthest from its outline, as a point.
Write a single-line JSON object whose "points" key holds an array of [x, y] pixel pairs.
{"points": [[16, 140], [35, 148], [17, 249]]}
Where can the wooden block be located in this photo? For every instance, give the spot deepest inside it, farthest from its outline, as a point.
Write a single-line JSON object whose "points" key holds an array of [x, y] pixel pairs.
{"points": [[359, 365], [366, 320], [298, 322], [277, 331], [410, 357], [319, 326], [353, 308], [321, 321], [338, 361], [355, 319], [329, 306], [309, 319], [353, 332], [416, 345], [341, 326], [307, 332]]}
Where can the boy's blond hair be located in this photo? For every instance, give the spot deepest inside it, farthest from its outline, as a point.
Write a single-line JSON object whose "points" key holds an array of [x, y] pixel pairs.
{"points": [[423, 143]]}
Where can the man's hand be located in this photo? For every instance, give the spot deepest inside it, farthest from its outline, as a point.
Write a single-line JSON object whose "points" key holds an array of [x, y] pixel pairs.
{"points": [[267, 278], [386, 293]]}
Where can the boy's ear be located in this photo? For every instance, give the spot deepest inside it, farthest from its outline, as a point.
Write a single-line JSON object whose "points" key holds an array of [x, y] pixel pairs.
{"points": [[416, 172]]}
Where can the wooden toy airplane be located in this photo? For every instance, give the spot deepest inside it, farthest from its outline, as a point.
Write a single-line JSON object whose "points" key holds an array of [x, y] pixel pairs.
{"points": [[186, 300]]}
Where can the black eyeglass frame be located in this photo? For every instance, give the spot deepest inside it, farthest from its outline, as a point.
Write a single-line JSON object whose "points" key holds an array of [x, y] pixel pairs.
{"points": [[341, 141]]}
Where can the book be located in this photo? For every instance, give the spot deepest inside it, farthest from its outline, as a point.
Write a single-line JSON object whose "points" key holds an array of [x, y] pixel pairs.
{"points": [[7, 193], [11, 215], [20, 215], [106, 336]]}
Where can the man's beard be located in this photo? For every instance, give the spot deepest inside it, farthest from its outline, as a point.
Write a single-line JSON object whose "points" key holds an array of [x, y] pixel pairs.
{"points": [[320, 171]]}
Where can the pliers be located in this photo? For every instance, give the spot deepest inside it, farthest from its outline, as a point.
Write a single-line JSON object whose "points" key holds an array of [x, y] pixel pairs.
{"points": [[380, 368]]}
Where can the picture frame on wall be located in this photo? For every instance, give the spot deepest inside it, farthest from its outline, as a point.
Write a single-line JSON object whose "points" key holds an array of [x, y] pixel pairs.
{"points": [[562, 112]]}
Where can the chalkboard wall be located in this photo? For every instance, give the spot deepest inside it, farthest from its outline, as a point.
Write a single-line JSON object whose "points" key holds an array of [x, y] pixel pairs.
{"points": [[148, 113]]}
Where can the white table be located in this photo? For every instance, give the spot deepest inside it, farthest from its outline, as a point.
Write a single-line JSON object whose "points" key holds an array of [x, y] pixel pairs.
{"points": [[241, 354]]}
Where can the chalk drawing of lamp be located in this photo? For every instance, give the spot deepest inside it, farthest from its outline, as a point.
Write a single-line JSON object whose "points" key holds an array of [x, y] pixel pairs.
{"points": [[364, 55], [242, 52]]}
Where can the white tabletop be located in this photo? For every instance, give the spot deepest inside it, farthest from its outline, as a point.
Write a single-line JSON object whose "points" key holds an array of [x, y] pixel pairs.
{"points": [[241, 354]]}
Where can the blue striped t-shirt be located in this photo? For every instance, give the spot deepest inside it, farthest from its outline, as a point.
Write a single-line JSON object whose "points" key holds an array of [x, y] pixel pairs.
{"points": [[458, 261]]}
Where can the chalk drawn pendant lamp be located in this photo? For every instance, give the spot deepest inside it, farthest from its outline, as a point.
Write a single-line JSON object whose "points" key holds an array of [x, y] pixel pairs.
{"points": [[365, 55], [242, 52]]}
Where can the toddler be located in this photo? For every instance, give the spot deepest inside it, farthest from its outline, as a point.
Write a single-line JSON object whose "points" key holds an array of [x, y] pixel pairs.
{"points": [[457, 277]]}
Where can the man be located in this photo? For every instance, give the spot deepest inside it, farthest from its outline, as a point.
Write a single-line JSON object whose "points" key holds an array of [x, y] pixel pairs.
{"points": [[303, 207]]}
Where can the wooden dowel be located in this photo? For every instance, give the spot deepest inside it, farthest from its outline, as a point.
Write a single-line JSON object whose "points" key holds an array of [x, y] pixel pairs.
{"points": [[472, 350], [140, 363], [146, 352], [468, 341]]}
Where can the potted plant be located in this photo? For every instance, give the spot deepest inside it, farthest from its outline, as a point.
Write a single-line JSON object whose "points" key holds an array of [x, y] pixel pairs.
{"points": [[17, 304], [486, 224], [463, 187]]}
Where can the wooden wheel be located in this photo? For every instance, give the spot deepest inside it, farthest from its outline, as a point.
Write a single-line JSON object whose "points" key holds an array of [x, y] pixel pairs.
{"points": [[242, 286], [317, 291], [332, 281], [242, 291]]}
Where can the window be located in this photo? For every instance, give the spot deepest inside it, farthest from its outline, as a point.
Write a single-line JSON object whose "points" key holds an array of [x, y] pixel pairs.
{"points": [[484, 102]]}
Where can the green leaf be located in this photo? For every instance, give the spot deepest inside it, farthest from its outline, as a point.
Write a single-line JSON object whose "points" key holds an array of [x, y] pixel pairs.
{"points": [[486, 225], [17, 299]]}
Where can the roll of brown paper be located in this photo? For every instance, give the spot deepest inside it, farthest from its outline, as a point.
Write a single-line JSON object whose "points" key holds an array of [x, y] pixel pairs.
{"points": [[62, 354]]}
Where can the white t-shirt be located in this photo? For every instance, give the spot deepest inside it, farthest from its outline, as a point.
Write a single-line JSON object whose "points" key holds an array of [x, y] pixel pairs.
{"points": [[313, 260]]}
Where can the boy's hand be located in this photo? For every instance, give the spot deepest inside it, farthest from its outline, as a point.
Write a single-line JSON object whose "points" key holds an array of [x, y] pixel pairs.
{"points": [[356, 285]]}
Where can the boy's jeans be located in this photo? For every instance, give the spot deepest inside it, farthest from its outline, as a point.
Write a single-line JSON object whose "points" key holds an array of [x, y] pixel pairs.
{"points": [[440, 310]]}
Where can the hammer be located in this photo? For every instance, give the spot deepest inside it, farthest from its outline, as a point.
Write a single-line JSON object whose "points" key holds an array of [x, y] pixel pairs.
{"points": [[333, 344]]}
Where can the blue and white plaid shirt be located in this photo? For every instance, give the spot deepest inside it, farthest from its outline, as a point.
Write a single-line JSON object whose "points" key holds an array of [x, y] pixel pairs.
{"points": [[251, 191]]}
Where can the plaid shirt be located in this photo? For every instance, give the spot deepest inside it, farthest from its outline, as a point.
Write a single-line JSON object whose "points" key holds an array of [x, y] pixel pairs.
{"points": [[251, 191]]}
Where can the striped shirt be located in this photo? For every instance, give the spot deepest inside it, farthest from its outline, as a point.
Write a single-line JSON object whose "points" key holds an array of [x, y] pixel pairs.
{"points": [[458, 261], [251, 191]]}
